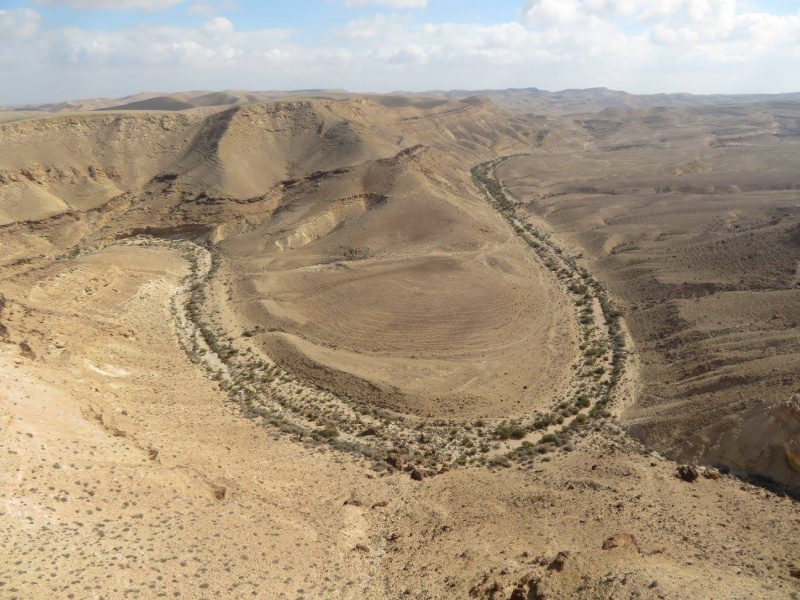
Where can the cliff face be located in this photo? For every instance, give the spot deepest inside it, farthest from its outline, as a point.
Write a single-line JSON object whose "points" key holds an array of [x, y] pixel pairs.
{"points": [[75, 163], [78, 163], [766, 442]]}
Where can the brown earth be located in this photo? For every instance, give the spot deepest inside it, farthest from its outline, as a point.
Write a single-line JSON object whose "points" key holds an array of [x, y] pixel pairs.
{"points": [[269, 351], [691, 217]]}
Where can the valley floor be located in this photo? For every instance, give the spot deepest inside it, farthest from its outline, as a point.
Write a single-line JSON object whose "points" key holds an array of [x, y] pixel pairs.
{"points": [[124, 472]]}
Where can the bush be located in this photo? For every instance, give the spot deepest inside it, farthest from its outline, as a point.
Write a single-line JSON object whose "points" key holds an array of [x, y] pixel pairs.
{"points": [[327, 432], [514, 431], [500, 461]]}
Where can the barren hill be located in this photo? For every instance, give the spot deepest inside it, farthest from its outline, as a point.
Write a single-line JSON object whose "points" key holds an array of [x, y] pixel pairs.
{"points": [[516, 100], [398, 346], [580, 101], [695, 232]]}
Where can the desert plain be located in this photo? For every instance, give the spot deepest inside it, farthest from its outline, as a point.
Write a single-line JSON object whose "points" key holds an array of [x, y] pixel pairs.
{"points": [[451, 345]]}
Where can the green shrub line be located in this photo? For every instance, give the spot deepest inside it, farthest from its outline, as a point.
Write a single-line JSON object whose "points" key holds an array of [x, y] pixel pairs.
{"points": [[603, 347], [275, 398], [270, 394]]}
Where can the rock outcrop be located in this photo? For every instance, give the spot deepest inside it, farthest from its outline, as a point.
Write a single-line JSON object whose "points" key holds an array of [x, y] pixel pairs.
{"points": [[766, 443]]}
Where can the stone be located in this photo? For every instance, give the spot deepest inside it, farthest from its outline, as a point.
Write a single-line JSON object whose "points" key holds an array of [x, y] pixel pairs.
{"points": [[688, 473], [558, 562], [26, 350], [396, 461]]}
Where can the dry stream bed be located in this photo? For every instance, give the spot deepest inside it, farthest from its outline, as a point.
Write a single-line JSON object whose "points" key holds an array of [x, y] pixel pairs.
{"points": [[271, 395]]}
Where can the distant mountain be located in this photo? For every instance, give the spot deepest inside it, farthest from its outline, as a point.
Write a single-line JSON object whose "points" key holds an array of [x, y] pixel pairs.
{"points": [[517, 100], [591, 100], [189, 100]]}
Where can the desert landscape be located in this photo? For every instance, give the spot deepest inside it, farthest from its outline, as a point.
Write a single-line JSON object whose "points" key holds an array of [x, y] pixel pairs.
{"points": [[507, 344]]}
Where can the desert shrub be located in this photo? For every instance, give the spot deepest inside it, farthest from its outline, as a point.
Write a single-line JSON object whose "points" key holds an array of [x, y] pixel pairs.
{"points": [[327, 432], [512, 430], [500, 461]]}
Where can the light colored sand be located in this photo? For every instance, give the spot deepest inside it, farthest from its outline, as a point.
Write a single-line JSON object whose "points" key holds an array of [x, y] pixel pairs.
{"points": [[89, 510], [125, 470]]}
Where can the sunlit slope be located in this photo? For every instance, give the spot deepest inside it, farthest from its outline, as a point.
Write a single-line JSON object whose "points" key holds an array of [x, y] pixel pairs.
{"points": [[407, 289]]}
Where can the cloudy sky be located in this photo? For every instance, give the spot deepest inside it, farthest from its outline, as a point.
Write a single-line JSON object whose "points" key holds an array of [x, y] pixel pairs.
{"points": [[65, 49]]}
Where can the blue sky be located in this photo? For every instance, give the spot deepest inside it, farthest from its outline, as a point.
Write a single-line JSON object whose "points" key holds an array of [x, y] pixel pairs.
{"points": [[314, 16], [60, 49]]}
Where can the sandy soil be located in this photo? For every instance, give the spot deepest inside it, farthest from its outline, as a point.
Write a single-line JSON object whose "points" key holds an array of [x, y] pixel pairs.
{"points": [[296, 350], [125, 473], [690, 217]]}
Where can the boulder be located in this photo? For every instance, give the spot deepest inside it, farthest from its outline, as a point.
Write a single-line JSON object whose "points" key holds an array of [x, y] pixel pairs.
{"points": [[396, 460], [688, 473]]}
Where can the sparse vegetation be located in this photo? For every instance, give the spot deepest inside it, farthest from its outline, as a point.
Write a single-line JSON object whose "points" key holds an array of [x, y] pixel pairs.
{"points": [[603, 348], [271, 395]]}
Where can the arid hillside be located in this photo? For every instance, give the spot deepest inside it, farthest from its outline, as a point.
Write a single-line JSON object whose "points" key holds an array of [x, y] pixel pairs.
{"points": [[398, 347], [516, 100], [691, 217]]}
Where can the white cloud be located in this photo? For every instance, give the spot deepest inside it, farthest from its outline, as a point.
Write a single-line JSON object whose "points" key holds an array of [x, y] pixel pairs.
{"points": [[409, 54], [209, 8], [482, 46], [373, 27], [698, 11], [112, 4], [20, 23], [386, 3], [553, 13], [214, 44], [638, 45], [717, 30], [218, 27]]}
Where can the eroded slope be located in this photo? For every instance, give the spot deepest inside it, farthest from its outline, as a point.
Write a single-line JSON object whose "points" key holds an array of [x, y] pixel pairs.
{"points": [[691, 219], [145, 420]]}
